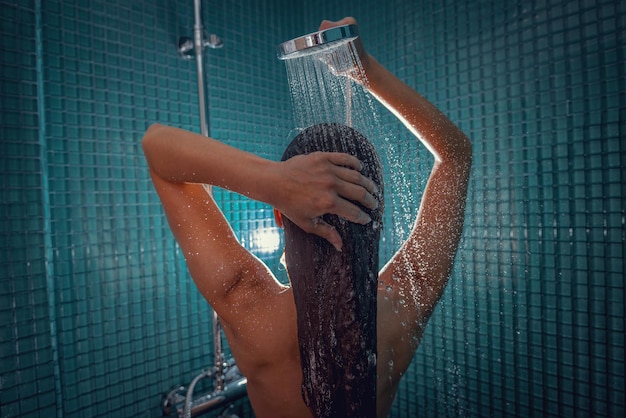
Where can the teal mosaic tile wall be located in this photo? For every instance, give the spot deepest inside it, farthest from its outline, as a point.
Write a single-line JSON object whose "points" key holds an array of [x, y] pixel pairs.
{"points": [[103, 319], [532, 323], [27, 376], [126, 317], [97, 314]]}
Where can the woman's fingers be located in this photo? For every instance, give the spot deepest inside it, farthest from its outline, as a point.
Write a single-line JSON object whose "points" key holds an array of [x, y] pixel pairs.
{"points": [[345, 209], [329, 23], [324, 230], [354, 186], [327, 183], [345, 160], [349, 170], [351, 184]]}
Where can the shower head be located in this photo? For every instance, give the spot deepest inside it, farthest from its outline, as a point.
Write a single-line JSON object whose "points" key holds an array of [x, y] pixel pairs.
{"points": [[313, 42]]}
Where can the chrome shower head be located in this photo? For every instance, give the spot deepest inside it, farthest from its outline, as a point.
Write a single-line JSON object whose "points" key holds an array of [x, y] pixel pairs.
{"points": [[313, 42]]}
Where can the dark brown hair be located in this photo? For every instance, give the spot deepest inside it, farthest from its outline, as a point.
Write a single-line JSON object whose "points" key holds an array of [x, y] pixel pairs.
{"points": [[335, 292]]}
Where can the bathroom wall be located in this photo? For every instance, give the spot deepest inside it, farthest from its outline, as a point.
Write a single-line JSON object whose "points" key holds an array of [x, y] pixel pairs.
{"points": [[532, 322], [26, 355], [97, 313]]}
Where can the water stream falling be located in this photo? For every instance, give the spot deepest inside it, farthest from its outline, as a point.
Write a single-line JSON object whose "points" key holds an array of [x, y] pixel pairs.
{"points": [[324, 90]]}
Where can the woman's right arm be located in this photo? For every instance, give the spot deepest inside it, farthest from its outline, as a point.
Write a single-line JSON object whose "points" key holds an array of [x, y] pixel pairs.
{"points": [[419, 271], [180, 162], [302, 188], [424, 262], [421, 267]]}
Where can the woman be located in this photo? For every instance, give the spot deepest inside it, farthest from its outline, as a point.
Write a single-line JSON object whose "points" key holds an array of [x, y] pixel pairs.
{"points": [[257, 312]]}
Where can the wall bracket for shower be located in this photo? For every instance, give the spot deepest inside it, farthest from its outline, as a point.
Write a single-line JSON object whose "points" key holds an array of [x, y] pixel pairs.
{"points": [[186, 45], [308, 44]]}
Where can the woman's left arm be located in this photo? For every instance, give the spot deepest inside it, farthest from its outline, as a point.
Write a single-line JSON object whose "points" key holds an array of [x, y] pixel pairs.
{"points": [[302, 188]]}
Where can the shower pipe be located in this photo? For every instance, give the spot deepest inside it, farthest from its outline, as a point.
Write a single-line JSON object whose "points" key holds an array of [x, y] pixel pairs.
{"points": [[179, 401], [198, 40], [188, 49]]}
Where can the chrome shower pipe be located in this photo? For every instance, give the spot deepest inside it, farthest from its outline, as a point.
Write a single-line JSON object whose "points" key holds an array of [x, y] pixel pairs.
{"points": [[198, 43], [198, 40], [231, 392]]}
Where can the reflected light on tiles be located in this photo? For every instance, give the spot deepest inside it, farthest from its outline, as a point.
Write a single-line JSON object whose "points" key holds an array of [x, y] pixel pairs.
{"points": [[265, 240]]}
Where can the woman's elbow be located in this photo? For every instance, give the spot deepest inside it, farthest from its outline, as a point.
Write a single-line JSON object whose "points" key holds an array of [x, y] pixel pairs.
{"points": [[150, 136], [460, 151], [152, 143]]}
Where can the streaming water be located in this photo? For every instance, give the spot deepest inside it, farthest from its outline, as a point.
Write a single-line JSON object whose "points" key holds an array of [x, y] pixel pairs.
{"points": [[324, 90]]}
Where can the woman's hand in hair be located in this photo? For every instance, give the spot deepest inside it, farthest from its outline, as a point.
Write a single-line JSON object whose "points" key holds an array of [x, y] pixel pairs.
{"points": [[322, 183]]}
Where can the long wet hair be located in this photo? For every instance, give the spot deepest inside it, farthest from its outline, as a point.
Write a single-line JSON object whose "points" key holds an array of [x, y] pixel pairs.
{"points": [[335, 292]]}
